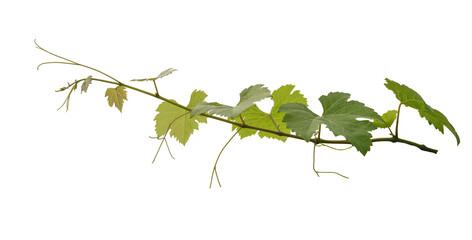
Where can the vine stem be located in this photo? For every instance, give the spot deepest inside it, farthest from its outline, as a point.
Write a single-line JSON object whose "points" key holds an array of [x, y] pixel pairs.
{"points": [[216, 162]]}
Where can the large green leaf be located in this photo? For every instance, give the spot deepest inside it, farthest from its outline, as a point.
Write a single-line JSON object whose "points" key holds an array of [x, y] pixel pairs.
{"points": [[411, 98], [116, 96], [339, 115], [178, 120], [273, 120], [247, 99]]}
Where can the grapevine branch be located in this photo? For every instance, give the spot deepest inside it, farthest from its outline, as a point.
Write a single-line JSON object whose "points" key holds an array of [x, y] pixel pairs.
{"points": [[240, 125]]}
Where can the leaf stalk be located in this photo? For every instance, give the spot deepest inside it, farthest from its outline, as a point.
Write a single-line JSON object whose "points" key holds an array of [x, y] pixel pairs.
{"points": [[398, 120]]}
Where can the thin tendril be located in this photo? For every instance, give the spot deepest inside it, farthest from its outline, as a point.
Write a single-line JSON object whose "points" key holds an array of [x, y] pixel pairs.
{"points": [[216, 162], [44, 63], [314, 148], [164, 137], [338, 149], [168, 149], [71, 62], [66, 102]]}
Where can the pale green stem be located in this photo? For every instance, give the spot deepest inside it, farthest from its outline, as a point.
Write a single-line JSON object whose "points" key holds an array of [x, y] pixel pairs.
{"points": [[275, 124], [398, 120], [216, 162], [168, 148], [338, 149], [314, 148]]}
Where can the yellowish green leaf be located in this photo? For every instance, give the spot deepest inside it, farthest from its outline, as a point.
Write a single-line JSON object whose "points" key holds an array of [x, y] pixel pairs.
{"points": [[178, 120], [388, 119], [116, 96]]}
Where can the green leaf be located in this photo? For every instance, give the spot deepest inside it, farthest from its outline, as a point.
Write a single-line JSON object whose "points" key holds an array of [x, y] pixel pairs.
{"points": [[250, 116], [411, 98], [388, 119], [116, 96], [340, 117], [406, 95], [300, 119], [438, 120], [256, 117], [247, 98], [178, 120], [86, 84]]}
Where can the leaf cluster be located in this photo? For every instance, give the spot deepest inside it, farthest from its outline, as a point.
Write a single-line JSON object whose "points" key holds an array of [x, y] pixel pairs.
{"points": [[290, 114]]}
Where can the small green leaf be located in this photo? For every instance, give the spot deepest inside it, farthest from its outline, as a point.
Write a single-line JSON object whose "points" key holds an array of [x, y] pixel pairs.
{"points": [[166, 72], [247, 98], [116, 96], [340, 117], [86, 84], [411, 98], [178, 120], [161, 75], [388, 119]]}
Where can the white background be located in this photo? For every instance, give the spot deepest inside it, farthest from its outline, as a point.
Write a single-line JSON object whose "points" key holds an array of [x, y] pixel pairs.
{"points": [[87, 173]]}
